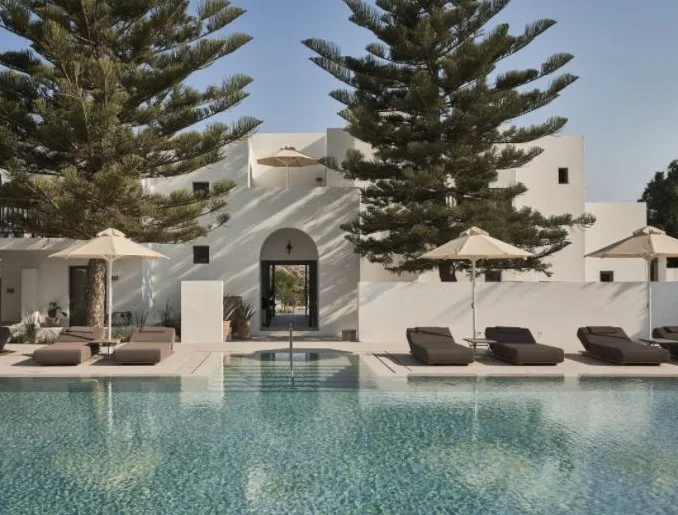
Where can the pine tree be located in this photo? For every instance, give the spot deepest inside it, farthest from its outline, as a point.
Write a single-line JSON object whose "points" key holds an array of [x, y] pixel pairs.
{"points": [[661, 197], [98, 103], [429, 101]]}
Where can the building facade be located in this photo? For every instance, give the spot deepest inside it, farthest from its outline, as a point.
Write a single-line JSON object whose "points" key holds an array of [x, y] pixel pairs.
{"points": [[274, 226]]}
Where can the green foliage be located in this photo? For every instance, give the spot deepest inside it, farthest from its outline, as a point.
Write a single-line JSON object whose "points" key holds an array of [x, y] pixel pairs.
{"points": [[231, 305], [169, 317], [27, 331], [98, 101], [661, 196], [141, 317], [122, 334], [428, 99], [289, 287]]}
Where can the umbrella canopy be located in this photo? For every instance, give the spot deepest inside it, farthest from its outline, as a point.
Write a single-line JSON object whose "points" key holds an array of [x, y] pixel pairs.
{"points": [[475, 244], [111, 245], [287, 157], [648, 243]]}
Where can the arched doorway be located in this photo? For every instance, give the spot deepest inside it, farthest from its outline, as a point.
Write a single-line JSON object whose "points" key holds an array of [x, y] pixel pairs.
{"points": [[289, 281]]}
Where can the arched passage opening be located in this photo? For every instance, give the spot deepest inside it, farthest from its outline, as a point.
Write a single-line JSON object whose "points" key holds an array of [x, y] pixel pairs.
{"points": [[289, 281]]}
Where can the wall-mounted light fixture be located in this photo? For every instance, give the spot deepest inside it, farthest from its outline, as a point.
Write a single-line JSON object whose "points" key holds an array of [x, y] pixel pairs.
{"points": [[289, 246]]}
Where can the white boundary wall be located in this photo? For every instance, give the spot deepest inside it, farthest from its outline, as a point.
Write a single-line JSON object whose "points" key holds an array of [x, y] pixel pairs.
{"points": [[202, 311], [553, 311]]}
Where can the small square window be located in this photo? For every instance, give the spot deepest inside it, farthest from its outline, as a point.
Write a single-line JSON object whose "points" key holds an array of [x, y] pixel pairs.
{"points": [[201, 254], [201, 188], [606, 277], [563, 176], [493, 276]]}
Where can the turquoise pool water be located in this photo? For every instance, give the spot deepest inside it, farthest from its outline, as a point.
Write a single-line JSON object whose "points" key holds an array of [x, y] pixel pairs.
{"points": [[337, 442]]}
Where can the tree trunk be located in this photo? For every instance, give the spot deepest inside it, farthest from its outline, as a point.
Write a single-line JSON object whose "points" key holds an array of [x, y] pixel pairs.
{"points": [[96, 292], [446, 272]]}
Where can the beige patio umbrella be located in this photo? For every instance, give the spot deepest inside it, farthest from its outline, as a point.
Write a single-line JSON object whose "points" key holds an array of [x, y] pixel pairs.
{"points": [[473, 245], [287, 157], [111, 245], [648, 243]]}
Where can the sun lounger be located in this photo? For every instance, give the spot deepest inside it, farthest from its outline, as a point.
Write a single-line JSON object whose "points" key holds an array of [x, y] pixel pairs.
{"points": [[517, 345], [147, 346], [436, 346], [71, 346], [668, 332], [613, 344]]}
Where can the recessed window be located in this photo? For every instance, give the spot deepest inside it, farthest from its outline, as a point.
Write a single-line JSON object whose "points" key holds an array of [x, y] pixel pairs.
{"points": [[607, 277], [493, 276], [201, 254], [201, 188], [563, 176]]}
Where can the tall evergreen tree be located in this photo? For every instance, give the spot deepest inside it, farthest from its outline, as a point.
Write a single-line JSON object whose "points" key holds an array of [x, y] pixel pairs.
{"points": [[98, 102], [661, 197], [429, 101]]}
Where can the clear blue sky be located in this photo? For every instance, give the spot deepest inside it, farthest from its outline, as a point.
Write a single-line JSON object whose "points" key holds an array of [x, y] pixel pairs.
{"points": [[624, 102]]}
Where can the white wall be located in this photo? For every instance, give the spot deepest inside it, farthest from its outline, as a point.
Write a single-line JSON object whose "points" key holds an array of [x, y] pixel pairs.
{"points": [[256, 213], [202, 311], [52, 283], [553, 311], [614, 221]]}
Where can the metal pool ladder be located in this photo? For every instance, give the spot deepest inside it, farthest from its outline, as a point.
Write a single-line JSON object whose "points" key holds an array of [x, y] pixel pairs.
{"points": [[291, 353]]}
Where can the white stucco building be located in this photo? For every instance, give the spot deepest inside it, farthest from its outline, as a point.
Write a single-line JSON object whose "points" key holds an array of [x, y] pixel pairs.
{"points": [[272, 225]]}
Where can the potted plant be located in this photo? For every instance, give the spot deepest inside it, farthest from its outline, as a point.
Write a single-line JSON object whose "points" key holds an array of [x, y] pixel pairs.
{"points": [[231, 308], [54, 315], [243, 324]]}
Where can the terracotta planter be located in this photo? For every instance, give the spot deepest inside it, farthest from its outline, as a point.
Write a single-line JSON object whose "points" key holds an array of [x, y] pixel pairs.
{"points": [[227, 329], [244, 329]]}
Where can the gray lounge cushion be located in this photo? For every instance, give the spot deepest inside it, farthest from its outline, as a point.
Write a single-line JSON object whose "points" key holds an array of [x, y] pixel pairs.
{"points": [[436, 346], [81, 334], [614, 345], [668, 332], [71, 346], [147, 345], [142, 353], [63, 353], [518, 346]]}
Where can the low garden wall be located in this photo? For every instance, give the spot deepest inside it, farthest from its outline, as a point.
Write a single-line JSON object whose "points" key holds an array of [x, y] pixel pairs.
{"points": [[553, 311]]}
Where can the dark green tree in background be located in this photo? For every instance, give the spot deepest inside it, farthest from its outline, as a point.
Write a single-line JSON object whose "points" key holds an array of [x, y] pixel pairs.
{"points": [[428, 99], [661, 197], [97, 102]]}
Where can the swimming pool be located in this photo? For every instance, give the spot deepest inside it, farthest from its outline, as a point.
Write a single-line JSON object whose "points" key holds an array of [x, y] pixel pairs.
{"points": [[337, 441]]}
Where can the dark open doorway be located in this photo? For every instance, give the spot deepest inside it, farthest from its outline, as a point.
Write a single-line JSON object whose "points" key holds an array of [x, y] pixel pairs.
{"points": [[289, 295], [77, 295]]}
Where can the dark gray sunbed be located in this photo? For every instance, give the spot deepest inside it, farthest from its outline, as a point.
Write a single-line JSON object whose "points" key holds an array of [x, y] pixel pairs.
{"points": [[614, 345], [71, 347], [668, 332], [147, 346], [436, 346], [517, 345]]}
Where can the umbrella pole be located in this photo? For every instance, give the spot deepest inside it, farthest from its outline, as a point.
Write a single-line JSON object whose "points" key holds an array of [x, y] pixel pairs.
{"points": [[473, 295], [649, 298], [109, 273], [288, 176]]}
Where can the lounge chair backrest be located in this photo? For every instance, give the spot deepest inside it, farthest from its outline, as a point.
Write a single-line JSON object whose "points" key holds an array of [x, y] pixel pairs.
{"points": [[669, 332], [81, 334], [153, 334], [509, 334], [604, 335], [428, 335]]}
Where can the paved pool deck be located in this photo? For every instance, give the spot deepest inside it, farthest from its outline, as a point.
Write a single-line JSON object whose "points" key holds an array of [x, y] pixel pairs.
{"points": [[382, 360]]}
